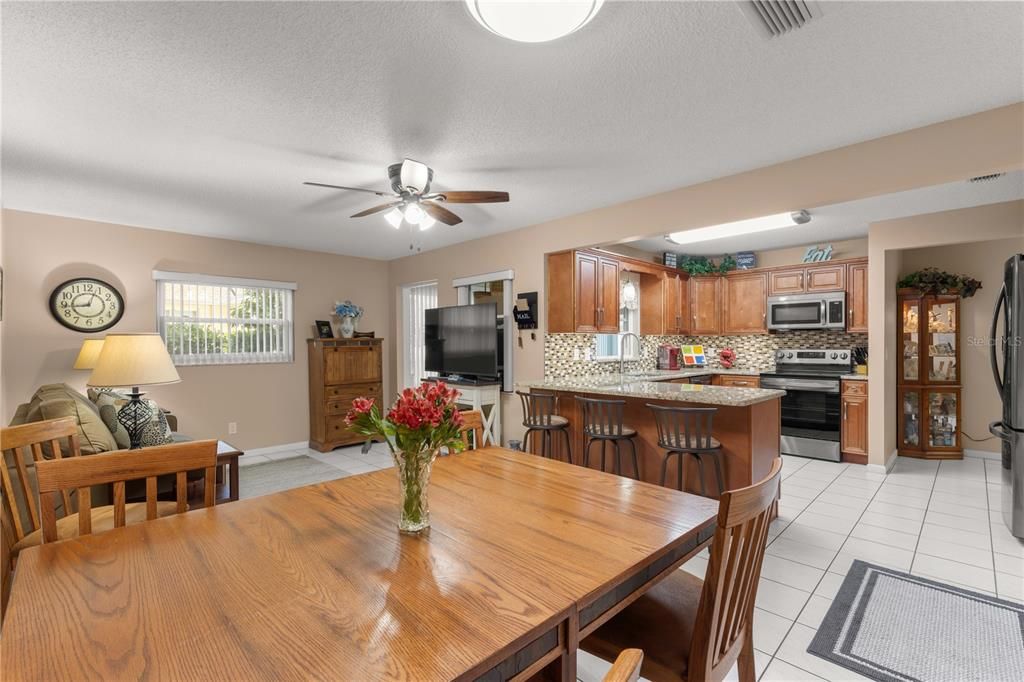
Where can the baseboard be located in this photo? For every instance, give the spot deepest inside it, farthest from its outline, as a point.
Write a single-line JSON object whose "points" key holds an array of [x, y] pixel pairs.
{"points": [[884, 469], [983, 454], [301, 445]]}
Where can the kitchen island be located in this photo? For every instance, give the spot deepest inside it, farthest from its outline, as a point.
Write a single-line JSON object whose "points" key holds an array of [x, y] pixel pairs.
{"points": [[747, 423]]}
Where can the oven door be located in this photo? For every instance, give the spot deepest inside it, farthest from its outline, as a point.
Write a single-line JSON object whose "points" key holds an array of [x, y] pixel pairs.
{"points": [[810, 416], [792, 312]]}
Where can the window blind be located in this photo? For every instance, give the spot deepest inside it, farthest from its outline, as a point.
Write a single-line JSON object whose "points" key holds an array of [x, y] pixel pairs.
{"points": [[418, 299], [220, 320]]}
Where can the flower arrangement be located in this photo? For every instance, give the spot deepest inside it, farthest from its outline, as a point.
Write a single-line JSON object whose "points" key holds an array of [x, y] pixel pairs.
{"points": [[347, 309], [935, 281], [421, 422]]}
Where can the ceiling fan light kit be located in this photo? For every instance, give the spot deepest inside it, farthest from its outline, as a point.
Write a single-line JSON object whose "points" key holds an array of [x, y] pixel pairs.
{"points": [[533, 21]]}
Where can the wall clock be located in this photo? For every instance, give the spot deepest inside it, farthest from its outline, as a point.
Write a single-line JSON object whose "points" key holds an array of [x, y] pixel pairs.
{"points": [[85, 304]]}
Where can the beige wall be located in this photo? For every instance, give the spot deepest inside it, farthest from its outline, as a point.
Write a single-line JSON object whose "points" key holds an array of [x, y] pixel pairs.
{"points": [[954, 150], [983, 261], [269, 402], [890, 245]]}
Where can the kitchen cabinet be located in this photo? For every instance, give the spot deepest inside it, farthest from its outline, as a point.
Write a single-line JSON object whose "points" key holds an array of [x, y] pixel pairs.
{"points": [[807, 279], [853, 435], [583, 293], [676, 293], [857, 297], [745, 303], [705, 305], [737, 381]]}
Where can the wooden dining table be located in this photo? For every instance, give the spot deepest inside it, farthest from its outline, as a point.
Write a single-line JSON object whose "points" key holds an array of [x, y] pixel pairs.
{"points": [[525, 557]]}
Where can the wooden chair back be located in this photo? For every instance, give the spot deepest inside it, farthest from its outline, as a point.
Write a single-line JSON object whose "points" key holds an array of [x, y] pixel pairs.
{"points": [[473, 429], [538, 408], [684, 429], [723, 629], [626, 667], [79, 473], [602, 418], [28, 445]]}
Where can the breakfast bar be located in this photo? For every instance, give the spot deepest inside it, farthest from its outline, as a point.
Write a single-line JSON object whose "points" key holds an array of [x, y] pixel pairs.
{"points": [[747, 423]]}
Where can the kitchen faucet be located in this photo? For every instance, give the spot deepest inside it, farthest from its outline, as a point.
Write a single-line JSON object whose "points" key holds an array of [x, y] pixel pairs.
{"points": [[622, 348]]}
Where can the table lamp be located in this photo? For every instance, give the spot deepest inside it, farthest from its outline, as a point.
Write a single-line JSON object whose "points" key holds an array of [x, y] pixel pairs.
{"points": [[133, 360], [89, 354]]}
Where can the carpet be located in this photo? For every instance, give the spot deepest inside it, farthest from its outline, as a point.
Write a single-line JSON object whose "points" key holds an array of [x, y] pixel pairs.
{"points": [[283, 474], [891, 626]]}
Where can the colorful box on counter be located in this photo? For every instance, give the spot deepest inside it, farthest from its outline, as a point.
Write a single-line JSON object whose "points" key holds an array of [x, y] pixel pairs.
{"points": [[693, 356]]}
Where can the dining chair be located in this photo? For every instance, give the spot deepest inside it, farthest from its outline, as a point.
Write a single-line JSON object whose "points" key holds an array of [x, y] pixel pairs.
{"points": [[692, 629], [626, 667], [540, 416], [687, 431], [59, 476], [473, 429], [602, 423]]}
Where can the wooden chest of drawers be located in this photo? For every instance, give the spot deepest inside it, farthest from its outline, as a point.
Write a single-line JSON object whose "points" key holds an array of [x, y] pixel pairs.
{"points": [[340, 370]]}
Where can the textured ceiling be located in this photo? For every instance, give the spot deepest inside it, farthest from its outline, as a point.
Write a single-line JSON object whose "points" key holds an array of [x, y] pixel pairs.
{"points": [[849, 220], [206, 117]]}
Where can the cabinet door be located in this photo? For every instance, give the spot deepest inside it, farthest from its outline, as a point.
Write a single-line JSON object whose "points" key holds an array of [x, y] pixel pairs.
{"points": [[857, 298], [910, 340], [943, 408], [705, 305], [586, 292], [940, 347], [608, 296], [854, 433], [352, 364], [826, 278], [684, 305], [786, 282], [909, 422], [745, 304], [675, 304]]}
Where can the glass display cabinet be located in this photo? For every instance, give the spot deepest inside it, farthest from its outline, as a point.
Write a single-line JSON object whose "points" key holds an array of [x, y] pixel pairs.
{"points": [[928, 385]]}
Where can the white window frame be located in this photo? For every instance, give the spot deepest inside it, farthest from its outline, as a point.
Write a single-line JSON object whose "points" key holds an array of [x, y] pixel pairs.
{"points": [[285, 353], [415, 340], [462, 285], [629, 321]]}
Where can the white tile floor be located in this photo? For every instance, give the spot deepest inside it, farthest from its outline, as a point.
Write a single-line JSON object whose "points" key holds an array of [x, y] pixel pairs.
{"points": [[939, 520]]}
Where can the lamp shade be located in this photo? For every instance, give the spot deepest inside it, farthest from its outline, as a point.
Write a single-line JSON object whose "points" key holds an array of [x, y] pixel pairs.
{"points": [[133, 360], [89, 354]]}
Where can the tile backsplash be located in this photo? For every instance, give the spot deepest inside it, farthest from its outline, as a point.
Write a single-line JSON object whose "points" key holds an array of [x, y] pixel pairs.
{"points": [[565, 354]]}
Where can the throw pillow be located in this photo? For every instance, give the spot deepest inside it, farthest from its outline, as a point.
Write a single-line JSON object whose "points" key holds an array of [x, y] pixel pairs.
{"points": [[108, 413]]}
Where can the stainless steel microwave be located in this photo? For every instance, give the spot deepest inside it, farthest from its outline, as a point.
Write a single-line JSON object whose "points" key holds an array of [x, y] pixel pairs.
{"points": [[807, 311]]}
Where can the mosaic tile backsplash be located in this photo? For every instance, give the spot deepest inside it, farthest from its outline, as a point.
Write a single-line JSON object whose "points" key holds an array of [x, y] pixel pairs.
{"points": [[566, 354]]}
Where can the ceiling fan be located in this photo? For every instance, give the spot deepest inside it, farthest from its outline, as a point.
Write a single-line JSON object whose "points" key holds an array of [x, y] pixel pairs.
{"points": [[412, 200]]}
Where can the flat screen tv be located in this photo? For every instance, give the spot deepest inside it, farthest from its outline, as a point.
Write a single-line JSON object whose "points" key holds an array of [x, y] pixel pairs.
{"points": [[462, 340]]}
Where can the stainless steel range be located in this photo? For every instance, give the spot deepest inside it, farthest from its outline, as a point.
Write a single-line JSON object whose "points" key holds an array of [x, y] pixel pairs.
{"points": [[811, 419]]}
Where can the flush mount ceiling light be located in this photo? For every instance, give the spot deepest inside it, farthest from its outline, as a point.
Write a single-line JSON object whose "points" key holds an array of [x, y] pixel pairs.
{"points": [[533, 21], [749, 226]]}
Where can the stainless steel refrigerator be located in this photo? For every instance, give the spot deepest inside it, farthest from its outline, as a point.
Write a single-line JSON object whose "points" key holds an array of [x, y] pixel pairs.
{"points": [[1010, 382]]}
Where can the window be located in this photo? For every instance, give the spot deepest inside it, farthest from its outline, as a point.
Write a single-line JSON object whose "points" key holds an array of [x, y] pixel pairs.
{"points": [[208, 320], [629, 321], [416, 299]]}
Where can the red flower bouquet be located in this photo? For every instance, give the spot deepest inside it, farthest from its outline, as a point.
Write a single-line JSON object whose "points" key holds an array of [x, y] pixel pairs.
{"points": [[421, 422]]}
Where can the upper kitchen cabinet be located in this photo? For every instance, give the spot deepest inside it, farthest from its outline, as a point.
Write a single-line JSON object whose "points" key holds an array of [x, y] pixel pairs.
{"points": [[744, 303], [705, 305], [807, 279], [857, 297], [676, 300], [582, 293]]}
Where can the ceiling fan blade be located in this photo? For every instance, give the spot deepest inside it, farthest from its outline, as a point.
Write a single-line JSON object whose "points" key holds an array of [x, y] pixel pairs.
{"points": [[353, 189], [440, 213], [481, 197], [377, 209]]}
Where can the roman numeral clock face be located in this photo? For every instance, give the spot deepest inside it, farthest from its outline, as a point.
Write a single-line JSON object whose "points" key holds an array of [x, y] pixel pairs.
{"points": [[86, 305]]}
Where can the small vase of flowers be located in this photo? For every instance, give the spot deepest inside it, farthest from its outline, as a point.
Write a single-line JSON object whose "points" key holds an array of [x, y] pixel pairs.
{"points": [[420, 423], [349, 312]]}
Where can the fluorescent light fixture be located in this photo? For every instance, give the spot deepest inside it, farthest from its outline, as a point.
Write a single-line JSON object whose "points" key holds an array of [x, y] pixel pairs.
{"points": [[394, 218], [740, 227], [533, 21]]}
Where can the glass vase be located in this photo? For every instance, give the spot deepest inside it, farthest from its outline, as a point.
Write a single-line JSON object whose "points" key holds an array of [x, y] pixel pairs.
{"points": [[414, 479]]}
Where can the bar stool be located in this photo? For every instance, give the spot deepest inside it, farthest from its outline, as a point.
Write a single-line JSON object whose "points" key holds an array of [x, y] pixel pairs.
{"points": [[602, 422], [540, 415], [687, 431]]}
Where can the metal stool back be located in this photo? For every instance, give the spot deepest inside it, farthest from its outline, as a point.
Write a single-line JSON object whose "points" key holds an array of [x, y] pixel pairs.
{"points": [[603, 422], [687, 431], [540, 413]]}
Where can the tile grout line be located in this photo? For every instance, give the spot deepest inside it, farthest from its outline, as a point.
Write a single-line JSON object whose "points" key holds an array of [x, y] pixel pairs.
{"points": [[920, 532], [991, 540]]}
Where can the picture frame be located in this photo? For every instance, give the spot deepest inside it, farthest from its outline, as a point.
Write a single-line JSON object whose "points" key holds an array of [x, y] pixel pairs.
{"points": [[324, 329]]}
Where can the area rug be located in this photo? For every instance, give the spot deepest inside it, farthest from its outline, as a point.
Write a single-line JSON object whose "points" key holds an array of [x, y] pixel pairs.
{"points": [[891, 626], [283, 474]]}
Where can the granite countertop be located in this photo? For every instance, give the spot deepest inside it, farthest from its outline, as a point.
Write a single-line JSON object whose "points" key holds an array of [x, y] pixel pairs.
{"points": [[854, 377], [624, 385]]}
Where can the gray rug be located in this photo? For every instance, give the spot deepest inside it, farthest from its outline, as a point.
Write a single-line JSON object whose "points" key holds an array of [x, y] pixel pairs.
{"points": [[892, 626], [283, 474]]}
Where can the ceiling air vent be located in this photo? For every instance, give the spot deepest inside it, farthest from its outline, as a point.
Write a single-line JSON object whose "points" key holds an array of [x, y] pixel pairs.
{"points": [[987, 178], [775, 17]]}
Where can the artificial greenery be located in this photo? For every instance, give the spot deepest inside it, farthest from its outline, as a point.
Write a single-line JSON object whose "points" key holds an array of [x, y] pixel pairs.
{"points": [[702, 265], [935, 281]]}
